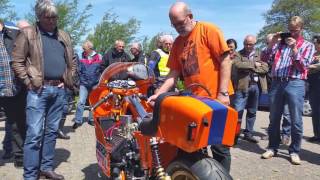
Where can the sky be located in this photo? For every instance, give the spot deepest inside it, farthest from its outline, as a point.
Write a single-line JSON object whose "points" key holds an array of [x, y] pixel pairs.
{"points": [[236, 18]]}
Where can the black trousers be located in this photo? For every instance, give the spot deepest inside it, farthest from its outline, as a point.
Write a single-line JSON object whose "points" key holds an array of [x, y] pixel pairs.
{"points": [[222, 154], [14, 108]]}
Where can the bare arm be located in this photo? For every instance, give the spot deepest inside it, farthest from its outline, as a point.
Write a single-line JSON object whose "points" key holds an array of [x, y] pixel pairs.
{"points": [[167, 85], [225, 75]]}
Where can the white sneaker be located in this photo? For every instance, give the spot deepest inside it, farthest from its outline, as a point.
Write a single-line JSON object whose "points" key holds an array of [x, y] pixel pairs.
{"points": [[268, 154], [295, 159]]}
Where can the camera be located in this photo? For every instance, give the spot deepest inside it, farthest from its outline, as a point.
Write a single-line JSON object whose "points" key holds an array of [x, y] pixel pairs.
{"points": [[284, 36]]}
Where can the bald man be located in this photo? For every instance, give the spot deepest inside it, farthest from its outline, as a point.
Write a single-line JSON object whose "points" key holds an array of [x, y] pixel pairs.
{"points": [[199, 52], [251, 75]]}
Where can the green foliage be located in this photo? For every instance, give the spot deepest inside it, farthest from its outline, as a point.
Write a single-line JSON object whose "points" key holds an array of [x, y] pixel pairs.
{"points": [[149, 45], [71, 18], [7, 12], [282, 10], [110, 29]]}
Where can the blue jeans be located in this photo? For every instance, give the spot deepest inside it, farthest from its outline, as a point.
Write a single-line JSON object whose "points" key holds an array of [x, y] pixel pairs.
{"points": [[286, 122], [291, 92], [247, 100], [44, 111], [83, 94], [314, 99]]}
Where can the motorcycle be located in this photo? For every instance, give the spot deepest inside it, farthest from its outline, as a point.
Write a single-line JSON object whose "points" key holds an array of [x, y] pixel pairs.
{"points": [[169, 140]]}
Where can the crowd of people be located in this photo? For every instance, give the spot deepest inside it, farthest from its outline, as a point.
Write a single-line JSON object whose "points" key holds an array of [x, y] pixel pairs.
{"points": [[38, 70]]}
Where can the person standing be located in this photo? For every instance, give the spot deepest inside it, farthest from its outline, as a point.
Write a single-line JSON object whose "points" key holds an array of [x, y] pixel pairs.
{"points": [[159, 58], [12, 98], [314, 90], [138, 55], [89, 74], [44, 60], [115, 54], [251, 76], [199, 52], [292, 55]]}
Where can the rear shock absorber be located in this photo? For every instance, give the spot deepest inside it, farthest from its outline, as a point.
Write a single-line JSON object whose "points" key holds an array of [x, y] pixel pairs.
{"points": [[159, 170]]}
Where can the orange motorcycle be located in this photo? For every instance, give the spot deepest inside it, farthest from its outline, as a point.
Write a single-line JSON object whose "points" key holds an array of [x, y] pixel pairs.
{"points": [[167, 141]]}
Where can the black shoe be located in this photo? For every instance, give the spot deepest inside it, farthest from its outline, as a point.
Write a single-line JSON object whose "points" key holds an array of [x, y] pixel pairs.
{"points": [[7, 155], [51, 175], [76, 125], [91, 123], [62, 135], [250, 138], [314, 139], [18, 164]]}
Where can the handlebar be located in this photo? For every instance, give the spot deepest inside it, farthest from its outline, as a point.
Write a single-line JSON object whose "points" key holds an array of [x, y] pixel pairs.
{"points": [[102, 100]]}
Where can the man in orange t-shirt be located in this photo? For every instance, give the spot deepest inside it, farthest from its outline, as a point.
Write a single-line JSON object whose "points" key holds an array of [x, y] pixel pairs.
{"points": [[200, 55]]}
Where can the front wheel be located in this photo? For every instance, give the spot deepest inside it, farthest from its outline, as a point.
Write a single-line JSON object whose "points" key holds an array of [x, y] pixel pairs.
{"points": [[203, 169]]}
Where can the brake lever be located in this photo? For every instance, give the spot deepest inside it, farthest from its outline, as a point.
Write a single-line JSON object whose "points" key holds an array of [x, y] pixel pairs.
{"points": [[102, 100]]}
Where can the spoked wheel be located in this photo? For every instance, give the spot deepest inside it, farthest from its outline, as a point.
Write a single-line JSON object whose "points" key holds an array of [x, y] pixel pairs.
{"points": [[197, 169]]}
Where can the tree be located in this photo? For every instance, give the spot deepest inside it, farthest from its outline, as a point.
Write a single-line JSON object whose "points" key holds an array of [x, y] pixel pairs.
{"points": [[71, 19], [6, 11], [282, 10], [110, 29]]}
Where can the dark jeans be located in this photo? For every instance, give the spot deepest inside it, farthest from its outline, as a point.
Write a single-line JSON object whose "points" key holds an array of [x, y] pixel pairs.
{"points": [[291, 92], [44, 111], [222, 154], [14, 108], [250, 101], [314, 99]]}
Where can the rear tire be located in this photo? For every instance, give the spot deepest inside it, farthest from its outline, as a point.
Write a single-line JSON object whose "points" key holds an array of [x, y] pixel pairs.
{"points": [[197, 169]]}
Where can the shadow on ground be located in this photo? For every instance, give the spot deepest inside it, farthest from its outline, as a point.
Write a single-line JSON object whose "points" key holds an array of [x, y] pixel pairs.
{"points": [[93, 172], [61, 155]]}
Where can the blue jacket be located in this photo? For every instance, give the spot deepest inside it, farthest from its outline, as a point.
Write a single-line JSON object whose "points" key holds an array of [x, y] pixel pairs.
{"points": [[89, 69]]}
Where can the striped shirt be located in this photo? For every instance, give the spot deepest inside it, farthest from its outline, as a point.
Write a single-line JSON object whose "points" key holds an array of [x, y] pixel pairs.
{"points": [[287, 65]]}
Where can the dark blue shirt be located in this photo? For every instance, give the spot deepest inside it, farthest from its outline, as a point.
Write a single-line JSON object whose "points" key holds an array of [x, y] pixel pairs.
{"points": [[54, 56]]}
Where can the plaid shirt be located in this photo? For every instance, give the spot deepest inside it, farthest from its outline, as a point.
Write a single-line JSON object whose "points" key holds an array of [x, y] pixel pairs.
{"points": [[8, 86], [283, 65]]}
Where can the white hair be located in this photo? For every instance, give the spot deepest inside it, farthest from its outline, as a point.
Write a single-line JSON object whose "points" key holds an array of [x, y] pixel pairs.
{"points": [[45, 7], [136, 45], [88, 44], [166, 37]]}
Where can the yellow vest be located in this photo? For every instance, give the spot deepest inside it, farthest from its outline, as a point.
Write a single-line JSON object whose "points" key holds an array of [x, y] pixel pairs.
{"points": [[162, 64]]}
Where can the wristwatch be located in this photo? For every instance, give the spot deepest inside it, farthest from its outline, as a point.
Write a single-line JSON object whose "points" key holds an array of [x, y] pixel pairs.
{"points": [[224, 93]]}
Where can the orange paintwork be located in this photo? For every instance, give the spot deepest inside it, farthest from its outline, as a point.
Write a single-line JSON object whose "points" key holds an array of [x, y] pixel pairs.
{"points": [[175, 118], [177, 113]]}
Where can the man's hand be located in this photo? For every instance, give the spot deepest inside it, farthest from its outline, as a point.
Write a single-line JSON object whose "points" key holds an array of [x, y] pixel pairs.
{"points": [[152, 99], [224, 99], [257, 64]]}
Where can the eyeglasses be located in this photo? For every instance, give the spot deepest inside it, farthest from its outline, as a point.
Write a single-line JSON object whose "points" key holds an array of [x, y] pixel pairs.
{"points": [[180, 23], [50, 17], [249, 44]]}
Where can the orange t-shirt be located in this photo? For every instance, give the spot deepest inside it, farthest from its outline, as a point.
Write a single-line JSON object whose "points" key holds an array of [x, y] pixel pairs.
{"points": [[197, 58]]}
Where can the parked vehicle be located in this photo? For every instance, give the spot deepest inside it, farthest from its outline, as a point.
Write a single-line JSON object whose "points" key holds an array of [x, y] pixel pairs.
{"points": [[264, 104], [137, 141]]}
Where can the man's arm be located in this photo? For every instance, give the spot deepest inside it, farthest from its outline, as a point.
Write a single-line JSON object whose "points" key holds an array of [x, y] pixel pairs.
{"points": [[19, 57], [225, 75], [167, 85]]}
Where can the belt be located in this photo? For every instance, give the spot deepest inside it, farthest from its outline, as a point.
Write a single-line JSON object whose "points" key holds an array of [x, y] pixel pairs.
{"points": [[283, 78], [52, 82]]}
